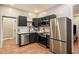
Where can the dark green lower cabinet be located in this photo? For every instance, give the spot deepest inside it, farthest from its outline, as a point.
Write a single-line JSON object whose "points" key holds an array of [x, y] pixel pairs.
{"points": [[25, 39], [33, 37], [48, 40]]}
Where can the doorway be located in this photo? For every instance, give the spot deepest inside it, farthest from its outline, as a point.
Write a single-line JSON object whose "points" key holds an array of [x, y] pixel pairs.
{"points": [[9, 31]]}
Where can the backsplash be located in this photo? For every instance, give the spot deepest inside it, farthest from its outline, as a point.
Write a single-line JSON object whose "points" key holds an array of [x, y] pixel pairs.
{"points": [[23, 29], [44, 29], [28, 29]]}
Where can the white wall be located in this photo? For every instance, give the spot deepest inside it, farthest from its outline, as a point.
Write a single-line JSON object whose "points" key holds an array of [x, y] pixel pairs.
{"points": [[0, 28], [8, 11], [61, 11], [0, 32]]}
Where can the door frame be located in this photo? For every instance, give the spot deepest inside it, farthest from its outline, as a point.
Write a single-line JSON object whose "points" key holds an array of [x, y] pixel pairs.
{"points": [[1, 45], [14, 28]]}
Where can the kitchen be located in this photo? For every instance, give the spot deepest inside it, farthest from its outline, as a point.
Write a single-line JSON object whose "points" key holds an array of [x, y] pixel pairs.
{"points": [[43, 29]]}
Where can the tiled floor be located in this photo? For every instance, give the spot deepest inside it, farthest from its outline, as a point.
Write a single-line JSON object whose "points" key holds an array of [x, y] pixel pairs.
{"points": [[10, 47]]}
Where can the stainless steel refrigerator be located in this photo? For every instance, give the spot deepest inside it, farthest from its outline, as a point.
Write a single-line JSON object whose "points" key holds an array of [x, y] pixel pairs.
{"points": [[61, 35]]}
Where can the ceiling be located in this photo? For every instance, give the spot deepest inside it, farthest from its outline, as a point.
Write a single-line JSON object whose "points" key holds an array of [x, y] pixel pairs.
{"points": [[35, 8]]}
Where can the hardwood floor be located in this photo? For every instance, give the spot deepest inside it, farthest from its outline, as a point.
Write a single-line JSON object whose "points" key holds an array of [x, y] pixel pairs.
{"points": [[10, 47], [76, 47]]}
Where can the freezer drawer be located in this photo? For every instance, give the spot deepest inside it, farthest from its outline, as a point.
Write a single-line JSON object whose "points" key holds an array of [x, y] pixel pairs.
{"points": [[63, 47], [55, 46], [58, 47]]}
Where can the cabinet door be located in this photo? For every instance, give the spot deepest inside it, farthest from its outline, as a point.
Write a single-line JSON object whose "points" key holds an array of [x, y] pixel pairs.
{"points": [[39, 22], [35, 22], [48, 41], [22, 21], [36, 37], [32, 37]]}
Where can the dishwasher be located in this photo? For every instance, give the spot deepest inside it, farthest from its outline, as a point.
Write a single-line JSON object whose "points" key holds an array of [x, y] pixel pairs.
{"points": [[23, 39]]}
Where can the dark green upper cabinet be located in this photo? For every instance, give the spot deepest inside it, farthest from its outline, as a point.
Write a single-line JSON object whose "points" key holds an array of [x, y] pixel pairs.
{"points": [[42, 21], [35, 22], [52, 16], [22, 21], [39, 22]]}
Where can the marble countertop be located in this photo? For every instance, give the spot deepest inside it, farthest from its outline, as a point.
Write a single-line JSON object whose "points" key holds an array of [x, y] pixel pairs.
{"points": [[30, 32]]}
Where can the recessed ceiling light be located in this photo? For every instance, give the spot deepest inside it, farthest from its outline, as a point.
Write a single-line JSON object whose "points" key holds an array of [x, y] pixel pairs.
{"points": [[35, 11]]}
